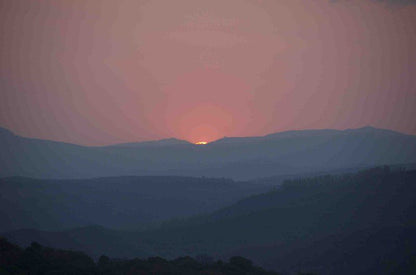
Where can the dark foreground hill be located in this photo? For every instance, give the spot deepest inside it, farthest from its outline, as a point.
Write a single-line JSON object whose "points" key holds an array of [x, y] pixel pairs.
{"points": [[360, 223], [282, 153], [37, 259], [120, 202]]}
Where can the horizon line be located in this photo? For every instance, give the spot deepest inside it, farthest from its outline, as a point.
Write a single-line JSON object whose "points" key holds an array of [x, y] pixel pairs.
{"points": [[207, 143]]}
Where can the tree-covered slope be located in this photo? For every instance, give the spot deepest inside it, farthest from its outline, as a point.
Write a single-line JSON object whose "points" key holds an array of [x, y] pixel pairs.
{"points": [[38, 259], [118, 202], [348, 224]]}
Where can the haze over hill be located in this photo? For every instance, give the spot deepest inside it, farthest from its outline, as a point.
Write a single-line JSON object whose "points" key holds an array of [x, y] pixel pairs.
{"points": [[208, 128], [360, 223], [118, 202], [238, 158]]}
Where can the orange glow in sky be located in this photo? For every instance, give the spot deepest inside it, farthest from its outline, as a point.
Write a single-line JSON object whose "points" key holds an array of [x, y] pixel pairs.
{"points": [[134, 70], [201, 143]]}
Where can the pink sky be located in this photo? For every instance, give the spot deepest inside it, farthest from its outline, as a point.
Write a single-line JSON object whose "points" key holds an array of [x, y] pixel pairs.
{"points": [[102, 72]]}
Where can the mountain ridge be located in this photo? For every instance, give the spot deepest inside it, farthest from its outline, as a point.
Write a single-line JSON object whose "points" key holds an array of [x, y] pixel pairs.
{"points": [[243, 158], [175, 141]]}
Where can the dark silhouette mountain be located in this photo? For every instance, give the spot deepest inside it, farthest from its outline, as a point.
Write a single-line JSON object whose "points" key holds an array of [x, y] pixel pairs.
{"points": [[120, 202], [361, 223], [283, 153], [38, 259]]}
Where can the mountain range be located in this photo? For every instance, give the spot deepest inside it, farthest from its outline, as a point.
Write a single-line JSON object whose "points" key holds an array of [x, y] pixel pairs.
{"points": [[240, 158]]}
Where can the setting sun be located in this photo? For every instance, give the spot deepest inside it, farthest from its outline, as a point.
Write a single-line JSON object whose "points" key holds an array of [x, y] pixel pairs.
{"points": [[201, 143]]}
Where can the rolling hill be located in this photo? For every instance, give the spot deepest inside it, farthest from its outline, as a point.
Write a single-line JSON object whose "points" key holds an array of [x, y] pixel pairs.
{"points": [[361, 223], [117, 202]]}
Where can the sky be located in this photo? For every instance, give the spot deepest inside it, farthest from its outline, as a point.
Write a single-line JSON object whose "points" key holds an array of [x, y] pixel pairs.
{"points": [[98, 72]]}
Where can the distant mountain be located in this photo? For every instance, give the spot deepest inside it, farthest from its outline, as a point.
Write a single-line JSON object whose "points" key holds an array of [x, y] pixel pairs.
{"points": [[119, 202], [4, 133], [360, 223], [277, 154], [154, 143]]}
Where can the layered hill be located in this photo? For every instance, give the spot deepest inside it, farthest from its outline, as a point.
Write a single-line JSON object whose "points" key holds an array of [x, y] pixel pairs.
{"points": [[360, 223], [117, 202]]}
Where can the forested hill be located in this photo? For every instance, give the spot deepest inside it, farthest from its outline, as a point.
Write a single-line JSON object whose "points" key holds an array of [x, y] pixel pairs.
{"points": [[37, 259], [114, 202], [361, 223]]}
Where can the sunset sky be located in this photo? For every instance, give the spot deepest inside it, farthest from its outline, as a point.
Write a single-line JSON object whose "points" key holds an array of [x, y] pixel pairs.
{"points": [[103, 71]]}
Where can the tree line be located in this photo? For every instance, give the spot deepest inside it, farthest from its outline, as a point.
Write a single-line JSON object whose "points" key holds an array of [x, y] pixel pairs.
{"points": [[38, 259]]}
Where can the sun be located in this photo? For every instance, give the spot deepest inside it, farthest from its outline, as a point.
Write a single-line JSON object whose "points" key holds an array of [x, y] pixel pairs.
{"points": [[201, 143]]}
